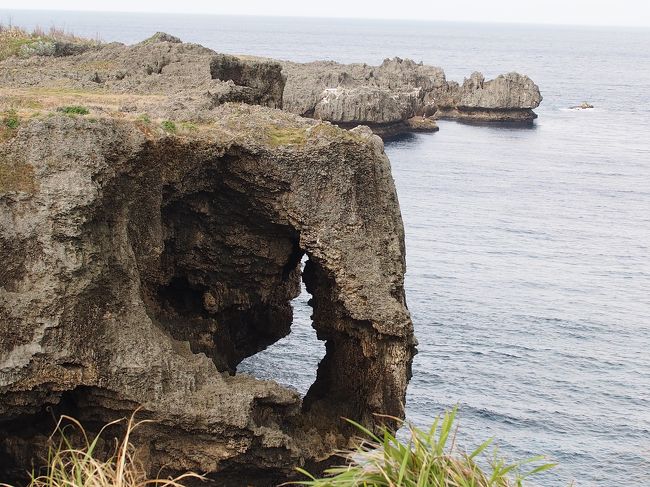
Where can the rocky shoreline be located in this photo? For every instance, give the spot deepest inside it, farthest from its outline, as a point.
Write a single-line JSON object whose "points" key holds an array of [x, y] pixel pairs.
{"points": [[155, 206], [153, 220]]}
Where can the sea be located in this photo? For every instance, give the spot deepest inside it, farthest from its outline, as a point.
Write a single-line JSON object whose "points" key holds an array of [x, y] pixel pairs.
{"points": [[528, 249]]}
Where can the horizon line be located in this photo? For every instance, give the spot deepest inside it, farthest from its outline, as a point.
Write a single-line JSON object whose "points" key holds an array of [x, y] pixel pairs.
{"points": [[289, 16]]}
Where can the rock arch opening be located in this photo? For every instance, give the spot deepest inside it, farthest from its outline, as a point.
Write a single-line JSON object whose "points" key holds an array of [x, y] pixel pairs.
{"points": [[227, 272], [293, 360]]}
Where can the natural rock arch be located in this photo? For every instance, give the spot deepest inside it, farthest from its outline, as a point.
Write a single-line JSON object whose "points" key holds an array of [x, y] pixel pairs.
{"points": [[158, 263]]}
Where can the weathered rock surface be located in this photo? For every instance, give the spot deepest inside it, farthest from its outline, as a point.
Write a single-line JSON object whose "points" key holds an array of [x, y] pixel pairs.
{"points": [[509, 97], [399, 89], [174, 78], [139, 268]]}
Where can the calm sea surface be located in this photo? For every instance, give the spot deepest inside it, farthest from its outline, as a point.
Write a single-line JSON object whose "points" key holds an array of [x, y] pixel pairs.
{"points": [[528, 249]]}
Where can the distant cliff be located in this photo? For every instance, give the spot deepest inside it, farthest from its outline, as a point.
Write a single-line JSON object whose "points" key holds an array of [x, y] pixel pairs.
{"points": [[386, 97]]}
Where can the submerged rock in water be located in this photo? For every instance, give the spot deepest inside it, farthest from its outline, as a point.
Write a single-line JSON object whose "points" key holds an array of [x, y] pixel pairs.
{"points": [[144, 259], [583, 106]]}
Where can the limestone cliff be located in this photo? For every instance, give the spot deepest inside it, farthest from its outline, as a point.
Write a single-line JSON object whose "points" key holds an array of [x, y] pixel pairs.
{"points": [[386, 97], [143, 259]]}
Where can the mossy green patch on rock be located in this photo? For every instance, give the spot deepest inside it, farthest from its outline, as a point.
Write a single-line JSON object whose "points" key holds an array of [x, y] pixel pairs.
{"points": [[278, 136], [16, 177], [327, 130]]}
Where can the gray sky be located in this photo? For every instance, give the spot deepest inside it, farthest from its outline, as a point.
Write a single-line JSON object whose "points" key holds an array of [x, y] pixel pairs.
{"points": [[583, 12]]}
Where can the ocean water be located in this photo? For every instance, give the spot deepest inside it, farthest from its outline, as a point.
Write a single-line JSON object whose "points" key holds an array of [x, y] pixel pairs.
{"points": [[528, 250]]}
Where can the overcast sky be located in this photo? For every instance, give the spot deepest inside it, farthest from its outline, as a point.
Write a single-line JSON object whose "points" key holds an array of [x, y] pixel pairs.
{"points": [[587, 12]]}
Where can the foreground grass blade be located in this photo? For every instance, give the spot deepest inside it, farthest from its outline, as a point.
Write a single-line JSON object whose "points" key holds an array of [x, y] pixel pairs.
{"points": [[426, 459]]}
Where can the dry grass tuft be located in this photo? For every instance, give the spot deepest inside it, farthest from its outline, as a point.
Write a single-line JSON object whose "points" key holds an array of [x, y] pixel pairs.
{"points": [[16, 177], [71, 466]]}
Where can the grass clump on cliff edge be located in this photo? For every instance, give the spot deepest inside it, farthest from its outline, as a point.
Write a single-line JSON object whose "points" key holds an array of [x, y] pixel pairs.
{"points": [[168, 126], [15, 41], [9, 123], [74, 110], [69, 465], [425, 459]]}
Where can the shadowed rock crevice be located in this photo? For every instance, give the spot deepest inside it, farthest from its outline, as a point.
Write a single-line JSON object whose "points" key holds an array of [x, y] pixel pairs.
{"points": [[227, 273]]}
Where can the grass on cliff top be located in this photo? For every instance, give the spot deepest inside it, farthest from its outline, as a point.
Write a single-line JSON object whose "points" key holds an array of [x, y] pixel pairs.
{"points": [[72, 465], [278, 136], [74, 110], [15, 41], [427, 458]]}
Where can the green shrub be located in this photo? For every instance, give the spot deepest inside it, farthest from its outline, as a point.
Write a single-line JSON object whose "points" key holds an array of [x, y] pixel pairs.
{"points": [[74, 110], [168, 126], [426, 459], [144, 118], [38, 47], [10, 120]]}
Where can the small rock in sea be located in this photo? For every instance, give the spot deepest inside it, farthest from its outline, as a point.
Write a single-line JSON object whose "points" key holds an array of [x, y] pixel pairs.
{"points": [[583, 106]]}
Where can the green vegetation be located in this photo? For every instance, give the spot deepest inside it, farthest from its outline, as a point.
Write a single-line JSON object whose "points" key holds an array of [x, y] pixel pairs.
{"points": [[188, 126], [144, 118], [69, 465], [10, 120], [278, 136], [74, 110], [426, 459], [15, 41], [168, 126]]}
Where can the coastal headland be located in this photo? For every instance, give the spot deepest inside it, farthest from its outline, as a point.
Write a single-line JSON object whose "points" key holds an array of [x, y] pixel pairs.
{"points": [[156, 202]]}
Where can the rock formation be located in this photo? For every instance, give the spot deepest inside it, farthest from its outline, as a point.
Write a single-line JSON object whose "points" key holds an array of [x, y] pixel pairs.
{"points": [[583, 106], [385, 97], [142, 261], [507, 98]]}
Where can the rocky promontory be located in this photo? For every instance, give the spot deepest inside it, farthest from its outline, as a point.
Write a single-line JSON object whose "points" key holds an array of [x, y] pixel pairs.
{"points": [[155, 206], [388, 96]]}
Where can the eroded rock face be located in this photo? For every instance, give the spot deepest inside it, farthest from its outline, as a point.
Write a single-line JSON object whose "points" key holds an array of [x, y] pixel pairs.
{"points": [[398, 90], [139, 268], [509, 97]]}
